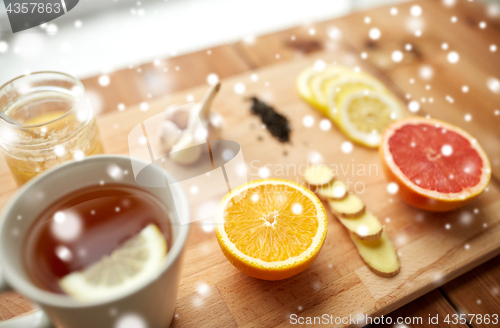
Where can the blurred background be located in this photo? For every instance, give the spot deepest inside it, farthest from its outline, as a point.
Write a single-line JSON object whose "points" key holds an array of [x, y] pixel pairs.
{"points": [[100, 36]]}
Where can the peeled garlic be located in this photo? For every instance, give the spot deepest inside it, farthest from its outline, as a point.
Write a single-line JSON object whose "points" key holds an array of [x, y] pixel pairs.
{"points": [[196, 133], [184, 151], [169, 134]]}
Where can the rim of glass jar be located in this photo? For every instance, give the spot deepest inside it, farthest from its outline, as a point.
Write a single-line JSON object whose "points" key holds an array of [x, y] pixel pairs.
{"points": [[78, 98]]}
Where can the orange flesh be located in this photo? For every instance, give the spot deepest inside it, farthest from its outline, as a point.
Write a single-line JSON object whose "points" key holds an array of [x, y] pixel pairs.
{"points": [[271, 222], [435, 158]]}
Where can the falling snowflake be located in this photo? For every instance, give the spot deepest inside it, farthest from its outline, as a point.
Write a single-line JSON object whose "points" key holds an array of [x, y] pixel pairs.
{"points": [[414, 106], [453, 57], [374, 33], [426, 72], [482, 25], [493, 47], [144, 106], [78, 23], [239, 88], [444, 46], [249, 39], [308, 121], [59, 150], [104, 80], [4, 46], [416, 10], [51, 29], [392, 188], [447, 150], [315, 157], [325, 124], [264, 172], [466, 218], [64, 253], [334, 33], [319, 65], [394, 11], [493, 84], [203, 289], [130, 321], [397, 56], [115, 172], [367, 20], [449, 3], [212, 79], [297, 208], [465, 89], [346, 147]]}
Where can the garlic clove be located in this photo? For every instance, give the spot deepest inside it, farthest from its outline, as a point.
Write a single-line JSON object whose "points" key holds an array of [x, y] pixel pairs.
{"points": [[184, 151], [169, 133]]}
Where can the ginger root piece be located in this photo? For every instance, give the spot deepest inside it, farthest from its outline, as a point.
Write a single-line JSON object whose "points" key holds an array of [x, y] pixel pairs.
{"points": [[380, 255], [349, 207], [336, 190], [318, 175], [365, 227]]}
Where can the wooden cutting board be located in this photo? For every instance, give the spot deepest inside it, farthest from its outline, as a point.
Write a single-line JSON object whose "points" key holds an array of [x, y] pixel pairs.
{"points": [[338, 283], [214, 293]]}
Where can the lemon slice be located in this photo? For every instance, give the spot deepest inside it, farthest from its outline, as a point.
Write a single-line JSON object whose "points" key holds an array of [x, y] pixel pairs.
{"points": [[303, 81], [364, 115], [318, 82], [337, 90], [271, 229], [135, 262]]}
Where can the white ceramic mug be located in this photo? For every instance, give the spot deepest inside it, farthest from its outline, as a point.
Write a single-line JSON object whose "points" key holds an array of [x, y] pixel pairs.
{"points": [[153, 303]]}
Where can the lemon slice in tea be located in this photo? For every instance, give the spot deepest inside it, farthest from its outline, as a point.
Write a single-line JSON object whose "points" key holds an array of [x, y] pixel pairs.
{"points": [[136, 261]]}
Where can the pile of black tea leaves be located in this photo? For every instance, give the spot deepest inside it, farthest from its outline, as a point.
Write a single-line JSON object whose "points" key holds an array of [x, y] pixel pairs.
{"points": [[276, 123]]}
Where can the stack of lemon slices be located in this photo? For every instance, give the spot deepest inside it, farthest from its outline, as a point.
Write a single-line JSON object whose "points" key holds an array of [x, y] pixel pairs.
{"points": [[360, 105]]}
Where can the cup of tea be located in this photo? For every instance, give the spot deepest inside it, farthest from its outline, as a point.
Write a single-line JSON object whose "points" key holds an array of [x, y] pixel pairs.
{"points": [[94, 247]]}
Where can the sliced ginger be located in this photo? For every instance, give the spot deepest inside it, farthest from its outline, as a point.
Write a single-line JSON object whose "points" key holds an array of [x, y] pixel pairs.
{"points": [[380, 255], [349, 207], [318, 175], [365, 227], [334, 190], [365, 230]]}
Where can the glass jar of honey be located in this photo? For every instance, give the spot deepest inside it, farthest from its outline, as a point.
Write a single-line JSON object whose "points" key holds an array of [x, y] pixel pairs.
{"points": [[49, 121]]}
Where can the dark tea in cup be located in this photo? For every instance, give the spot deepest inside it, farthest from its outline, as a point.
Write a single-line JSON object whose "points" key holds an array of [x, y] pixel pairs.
{"points": [[97, 241]]}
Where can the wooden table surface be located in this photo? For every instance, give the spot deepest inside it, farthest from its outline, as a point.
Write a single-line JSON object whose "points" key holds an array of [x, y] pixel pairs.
{"points": [[477, 291]]}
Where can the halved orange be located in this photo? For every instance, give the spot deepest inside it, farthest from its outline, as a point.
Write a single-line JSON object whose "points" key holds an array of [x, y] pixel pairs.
{"points": [[271, 229], [437, 166]]}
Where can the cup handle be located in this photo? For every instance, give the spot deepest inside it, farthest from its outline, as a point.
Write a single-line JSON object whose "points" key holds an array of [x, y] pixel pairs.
{"points": [[37, 319]]}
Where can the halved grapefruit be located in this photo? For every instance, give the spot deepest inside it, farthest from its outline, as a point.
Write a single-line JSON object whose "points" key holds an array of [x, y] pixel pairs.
{"points": [[437, 166]]}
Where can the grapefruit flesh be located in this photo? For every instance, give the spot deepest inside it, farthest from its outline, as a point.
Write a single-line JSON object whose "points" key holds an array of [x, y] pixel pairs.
{"points": [[437, 166]]}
